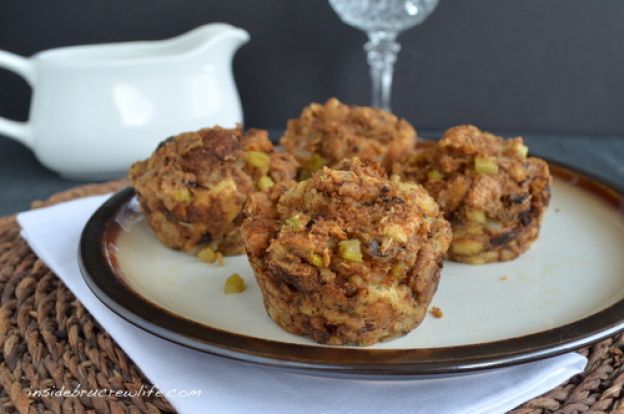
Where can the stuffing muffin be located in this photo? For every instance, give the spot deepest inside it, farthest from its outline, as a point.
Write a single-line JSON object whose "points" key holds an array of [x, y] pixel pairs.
{"points": [[347, 257], [327, 134], [193, 187], [491, 192]]}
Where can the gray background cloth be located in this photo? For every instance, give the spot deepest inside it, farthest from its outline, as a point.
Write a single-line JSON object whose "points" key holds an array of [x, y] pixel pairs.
{"points": [[530, 65], [23, 180]]}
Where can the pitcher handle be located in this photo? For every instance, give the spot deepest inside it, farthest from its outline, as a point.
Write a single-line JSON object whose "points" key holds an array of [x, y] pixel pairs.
{"points": [[19, 131]]}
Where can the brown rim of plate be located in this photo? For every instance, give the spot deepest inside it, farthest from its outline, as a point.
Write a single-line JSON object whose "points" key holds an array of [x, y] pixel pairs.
{"points": [[97, 269]]}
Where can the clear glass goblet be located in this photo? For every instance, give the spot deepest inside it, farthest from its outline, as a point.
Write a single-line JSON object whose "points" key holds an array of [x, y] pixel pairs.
{"points": [[382, 20]]}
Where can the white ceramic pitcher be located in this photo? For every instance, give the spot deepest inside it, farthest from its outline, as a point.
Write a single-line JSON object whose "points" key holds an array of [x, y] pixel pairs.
{"points": [[96, 109]]}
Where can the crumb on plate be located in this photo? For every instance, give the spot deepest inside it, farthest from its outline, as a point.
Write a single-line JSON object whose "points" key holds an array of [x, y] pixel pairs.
{"points": [[436, 312], [234, 284]]}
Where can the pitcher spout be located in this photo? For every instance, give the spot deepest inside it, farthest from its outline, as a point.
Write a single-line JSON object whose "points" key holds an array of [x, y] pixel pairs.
{"points": [[205, 38]]}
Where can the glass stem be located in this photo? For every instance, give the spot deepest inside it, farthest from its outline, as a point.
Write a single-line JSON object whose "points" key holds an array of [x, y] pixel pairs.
{"points": [[381, 52]]}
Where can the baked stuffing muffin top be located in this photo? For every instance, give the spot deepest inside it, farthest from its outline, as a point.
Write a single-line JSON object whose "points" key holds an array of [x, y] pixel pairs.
{"points": [[348, 256], [493, 194], [326, 134]]}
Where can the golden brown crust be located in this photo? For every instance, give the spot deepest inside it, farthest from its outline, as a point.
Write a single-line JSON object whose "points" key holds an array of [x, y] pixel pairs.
{"points": [[314, 285], [335, 131], [493, 195], [193, 187]]}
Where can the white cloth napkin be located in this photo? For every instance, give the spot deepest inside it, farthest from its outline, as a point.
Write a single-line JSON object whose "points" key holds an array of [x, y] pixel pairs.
{"points": [[235, 387]]}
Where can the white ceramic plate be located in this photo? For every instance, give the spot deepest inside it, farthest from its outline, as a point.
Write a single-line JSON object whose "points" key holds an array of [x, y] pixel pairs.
{"points": [[565, 292]]}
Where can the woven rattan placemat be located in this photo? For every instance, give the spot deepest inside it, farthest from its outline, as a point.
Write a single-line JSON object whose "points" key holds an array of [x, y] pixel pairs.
{"points": [[49, 341]]}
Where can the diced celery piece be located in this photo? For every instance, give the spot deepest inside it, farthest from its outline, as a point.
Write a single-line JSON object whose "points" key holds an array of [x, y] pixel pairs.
{"points": [[396, 233], [234, 284], [258, 159], [435, 175], [350, 250], [486, 166], [314, 163], [398, 270], [265, 182], [227, 185], [316, 260], [183, 195], [478, 216], [521, 149], [207, 255], [295, 223]]}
